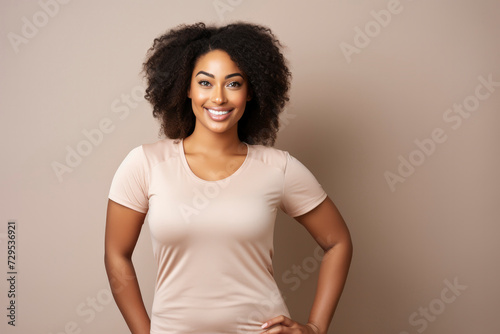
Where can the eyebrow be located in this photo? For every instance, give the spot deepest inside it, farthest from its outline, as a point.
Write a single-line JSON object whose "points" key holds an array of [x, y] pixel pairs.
{"points": [[212, 76]]}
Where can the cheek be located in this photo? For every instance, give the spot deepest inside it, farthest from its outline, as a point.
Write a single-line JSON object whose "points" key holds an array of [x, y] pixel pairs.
{"points": [[240, 99], [198, 95]]}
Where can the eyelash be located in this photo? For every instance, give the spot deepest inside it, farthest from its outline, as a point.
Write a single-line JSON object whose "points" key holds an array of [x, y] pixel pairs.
{"points": [[205, 83]]}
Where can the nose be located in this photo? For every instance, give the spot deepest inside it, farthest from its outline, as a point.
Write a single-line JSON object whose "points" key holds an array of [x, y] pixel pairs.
{"points": [[218, 95]]}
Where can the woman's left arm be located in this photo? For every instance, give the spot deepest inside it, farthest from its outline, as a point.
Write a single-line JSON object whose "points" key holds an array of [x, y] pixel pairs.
{"points": [[328, 228]]}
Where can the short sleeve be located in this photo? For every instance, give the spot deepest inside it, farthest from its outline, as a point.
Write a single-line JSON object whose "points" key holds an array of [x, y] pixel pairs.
{"points": [[301, 191], [129, 186]]}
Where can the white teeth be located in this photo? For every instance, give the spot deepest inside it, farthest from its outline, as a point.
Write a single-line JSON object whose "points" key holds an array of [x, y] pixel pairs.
{"points": [[215, 112]]}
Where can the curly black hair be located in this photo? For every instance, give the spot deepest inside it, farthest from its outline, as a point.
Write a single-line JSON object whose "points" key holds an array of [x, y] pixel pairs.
{"points": [[255, 50]]}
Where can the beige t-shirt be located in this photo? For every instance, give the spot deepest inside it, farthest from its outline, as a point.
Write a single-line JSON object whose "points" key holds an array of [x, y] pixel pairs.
{"points": [[213, 240]]}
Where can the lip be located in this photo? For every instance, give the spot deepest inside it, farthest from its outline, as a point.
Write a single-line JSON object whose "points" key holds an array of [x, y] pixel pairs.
{"points": [[219, 108], [218, 118]]}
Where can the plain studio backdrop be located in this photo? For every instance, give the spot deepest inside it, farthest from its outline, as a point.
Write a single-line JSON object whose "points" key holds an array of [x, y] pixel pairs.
{"points": [[394, 108]]}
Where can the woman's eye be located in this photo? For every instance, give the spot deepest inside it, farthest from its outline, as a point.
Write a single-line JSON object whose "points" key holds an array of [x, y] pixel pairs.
{"points": [[204, 83], [234, 84]]}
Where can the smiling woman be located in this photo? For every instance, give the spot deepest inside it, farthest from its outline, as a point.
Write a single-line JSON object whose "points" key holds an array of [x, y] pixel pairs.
{"points": [[255, 51], [212, 189], [218, 92]]}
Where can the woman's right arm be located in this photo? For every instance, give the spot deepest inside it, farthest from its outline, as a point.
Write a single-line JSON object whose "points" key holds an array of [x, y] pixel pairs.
{"points": [[123, 226]]}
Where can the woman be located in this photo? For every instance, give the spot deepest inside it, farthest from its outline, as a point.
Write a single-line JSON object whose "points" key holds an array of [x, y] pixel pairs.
{"points": [[212, 188]]}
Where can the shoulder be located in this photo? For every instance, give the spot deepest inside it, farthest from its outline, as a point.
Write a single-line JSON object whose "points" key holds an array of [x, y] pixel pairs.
{"points": [[270, 156], [159, 151], [148, 155]]}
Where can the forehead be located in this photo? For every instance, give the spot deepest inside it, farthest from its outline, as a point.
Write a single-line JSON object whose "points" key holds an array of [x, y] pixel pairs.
{"points": [[216, 61]]}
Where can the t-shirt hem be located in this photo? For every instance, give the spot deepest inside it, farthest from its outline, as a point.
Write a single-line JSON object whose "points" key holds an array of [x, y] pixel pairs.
{"points": [[309, 207], [127, 203]]}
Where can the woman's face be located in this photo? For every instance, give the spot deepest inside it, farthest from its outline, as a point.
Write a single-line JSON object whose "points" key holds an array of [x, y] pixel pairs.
{"points": [[218, 92]]}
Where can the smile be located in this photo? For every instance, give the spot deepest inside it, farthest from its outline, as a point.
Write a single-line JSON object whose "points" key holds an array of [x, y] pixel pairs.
{"points": [[216, 112]]}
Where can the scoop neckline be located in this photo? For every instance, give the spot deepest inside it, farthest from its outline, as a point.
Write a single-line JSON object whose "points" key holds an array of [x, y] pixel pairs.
{"points": [[199, 179]]}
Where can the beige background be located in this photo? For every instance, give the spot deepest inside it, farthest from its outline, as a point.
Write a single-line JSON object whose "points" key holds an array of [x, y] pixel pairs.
{"points": [[349, 121]]}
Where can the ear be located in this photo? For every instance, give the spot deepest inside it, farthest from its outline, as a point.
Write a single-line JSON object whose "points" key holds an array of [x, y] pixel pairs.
{"points": [[189, 92]]}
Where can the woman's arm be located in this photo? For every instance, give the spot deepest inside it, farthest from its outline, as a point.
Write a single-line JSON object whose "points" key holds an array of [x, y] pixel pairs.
{"points": [[328, 228], [123, 226]]}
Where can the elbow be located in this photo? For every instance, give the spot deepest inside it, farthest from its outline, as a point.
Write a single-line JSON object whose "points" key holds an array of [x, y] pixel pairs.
{"points": [[344, 246], [348, 244], [349, 247], [112, 258], [108, 260]]}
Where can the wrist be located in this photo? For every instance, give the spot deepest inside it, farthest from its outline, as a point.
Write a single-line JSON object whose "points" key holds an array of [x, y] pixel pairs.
{"points": [[314, 327]]}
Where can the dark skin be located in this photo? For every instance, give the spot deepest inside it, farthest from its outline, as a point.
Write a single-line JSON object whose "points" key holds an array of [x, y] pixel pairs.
{"points": [[123, 226], [214, 152], [327, 227]]}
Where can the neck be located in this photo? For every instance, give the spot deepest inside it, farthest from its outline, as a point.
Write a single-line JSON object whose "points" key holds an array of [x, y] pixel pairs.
{"points": [[208, 142]]}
